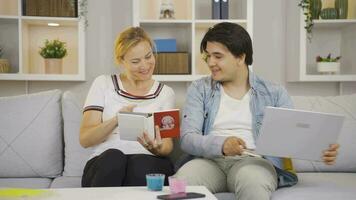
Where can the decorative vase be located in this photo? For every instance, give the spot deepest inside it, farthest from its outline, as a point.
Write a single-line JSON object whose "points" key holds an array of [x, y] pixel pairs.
{"points": [[315, 8], [53, 65], [5, 66], [167, 10], [341, 7], [328, 13], [328, 67]]}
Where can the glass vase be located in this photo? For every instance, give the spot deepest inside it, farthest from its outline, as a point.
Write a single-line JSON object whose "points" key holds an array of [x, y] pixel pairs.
{"points": [[342, 8], [315, 8]]}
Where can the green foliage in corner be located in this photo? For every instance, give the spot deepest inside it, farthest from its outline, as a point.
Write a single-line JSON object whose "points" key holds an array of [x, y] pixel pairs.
{"points": [[305, 5]]}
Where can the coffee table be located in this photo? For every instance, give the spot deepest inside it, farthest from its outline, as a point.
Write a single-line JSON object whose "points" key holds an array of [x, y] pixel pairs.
{"points": [[111, 193]]}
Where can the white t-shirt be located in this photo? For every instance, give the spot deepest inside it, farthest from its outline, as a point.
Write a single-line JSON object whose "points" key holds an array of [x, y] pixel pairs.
{"points": [[108, 95], [234, 119]]}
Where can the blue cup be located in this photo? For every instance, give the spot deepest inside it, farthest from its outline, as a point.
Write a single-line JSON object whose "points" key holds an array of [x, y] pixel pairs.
{"points": [[155, 181]]}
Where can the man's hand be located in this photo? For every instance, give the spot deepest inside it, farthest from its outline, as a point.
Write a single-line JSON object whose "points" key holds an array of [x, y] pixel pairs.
{"points": [[329, 155], [232, 146]]}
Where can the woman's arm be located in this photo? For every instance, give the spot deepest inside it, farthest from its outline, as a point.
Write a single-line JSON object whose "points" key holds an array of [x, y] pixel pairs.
{"points": [[92, 130], [161, 147]]}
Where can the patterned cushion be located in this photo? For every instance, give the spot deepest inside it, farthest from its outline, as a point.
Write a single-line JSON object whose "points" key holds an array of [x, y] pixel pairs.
{"points": [[31, 135]]}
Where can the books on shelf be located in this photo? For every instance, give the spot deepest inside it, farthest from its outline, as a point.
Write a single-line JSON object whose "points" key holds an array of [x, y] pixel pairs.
{"points": [[166, 45], [220, 9], [133, 124], [215, 5]]}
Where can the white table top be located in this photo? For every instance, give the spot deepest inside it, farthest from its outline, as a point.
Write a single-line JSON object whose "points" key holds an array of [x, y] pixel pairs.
{"points": [[111, 193]]}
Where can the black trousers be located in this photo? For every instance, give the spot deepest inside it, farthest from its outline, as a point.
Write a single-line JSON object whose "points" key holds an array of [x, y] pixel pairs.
{"points": [[114, 168]]}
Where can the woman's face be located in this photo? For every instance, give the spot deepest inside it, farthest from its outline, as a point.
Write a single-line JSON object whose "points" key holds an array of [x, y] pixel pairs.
{"points": [[139, 61]]}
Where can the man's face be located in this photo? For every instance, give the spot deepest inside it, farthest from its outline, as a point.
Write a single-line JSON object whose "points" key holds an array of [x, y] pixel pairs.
{"points": [[222, 63]]}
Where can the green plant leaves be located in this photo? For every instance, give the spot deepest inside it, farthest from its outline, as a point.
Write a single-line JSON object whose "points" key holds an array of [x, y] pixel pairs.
{"points": [[328, 58], [305, 5], [53, 49]]}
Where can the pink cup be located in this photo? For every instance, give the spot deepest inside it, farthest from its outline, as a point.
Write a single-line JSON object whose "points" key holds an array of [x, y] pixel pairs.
{"points": [[176, 185]]}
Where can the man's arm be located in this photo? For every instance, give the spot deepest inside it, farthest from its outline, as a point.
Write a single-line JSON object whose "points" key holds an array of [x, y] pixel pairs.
{"points": [[329, 155], [192, 139], [284, 100]]}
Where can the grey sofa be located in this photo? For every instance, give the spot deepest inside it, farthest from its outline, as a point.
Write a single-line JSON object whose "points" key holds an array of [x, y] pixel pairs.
{"points": [[39, 147]]}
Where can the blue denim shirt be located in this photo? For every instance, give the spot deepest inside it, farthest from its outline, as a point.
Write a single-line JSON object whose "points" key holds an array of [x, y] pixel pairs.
{"points": [[201, 107]]}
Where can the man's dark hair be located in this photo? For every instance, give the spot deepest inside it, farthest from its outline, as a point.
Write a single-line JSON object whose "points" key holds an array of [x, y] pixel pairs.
{"points": [[231, 35]]}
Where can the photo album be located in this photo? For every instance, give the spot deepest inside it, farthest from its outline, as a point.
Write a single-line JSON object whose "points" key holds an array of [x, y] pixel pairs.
{"points": [[133, 124]]}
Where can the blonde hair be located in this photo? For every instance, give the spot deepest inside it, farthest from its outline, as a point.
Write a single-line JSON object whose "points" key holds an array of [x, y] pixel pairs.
{"points": [[127, 39]]}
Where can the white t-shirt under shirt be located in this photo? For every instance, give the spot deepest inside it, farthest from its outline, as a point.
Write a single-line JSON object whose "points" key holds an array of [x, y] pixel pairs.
{"points": [[108, 95], [234, 119]]}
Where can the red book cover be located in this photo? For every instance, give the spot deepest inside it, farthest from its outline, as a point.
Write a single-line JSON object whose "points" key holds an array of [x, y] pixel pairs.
{"points": [[168, 122]]}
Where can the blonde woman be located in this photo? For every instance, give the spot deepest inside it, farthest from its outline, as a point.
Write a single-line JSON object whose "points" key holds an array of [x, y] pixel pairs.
{"points": [[117, 162]]}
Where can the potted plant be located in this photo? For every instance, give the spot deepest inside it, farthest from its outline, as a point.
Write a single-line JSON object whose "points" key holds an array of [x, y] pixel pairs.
{"points": [[53, 52], [328, 65], [4, 63]]}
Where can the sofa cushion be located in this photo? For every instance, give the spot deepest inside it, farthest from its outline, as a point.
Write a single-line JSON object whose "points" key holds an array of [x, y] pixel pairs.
{"points": [[25, 182], [75, 156], [345, 105], [225, 196], [67, 182], [326, 186], [31, 140]]}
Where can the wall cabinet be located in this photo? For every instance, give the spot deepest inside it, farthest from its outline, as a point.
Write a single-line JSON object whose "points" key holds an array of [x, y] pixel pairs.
{"points": [[192, 19], [335, 36], [21, 37]]}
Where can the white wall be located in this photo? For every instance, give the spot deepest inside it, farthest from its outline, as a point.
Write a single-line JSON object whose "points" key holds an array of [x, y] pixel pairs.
{"points": [[108, 17], [269, 46]]}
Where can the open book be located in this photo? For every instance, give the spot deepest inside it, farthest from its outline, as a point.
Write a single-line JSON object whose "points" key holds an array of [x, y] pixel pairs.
{"points": [[133, 124]]}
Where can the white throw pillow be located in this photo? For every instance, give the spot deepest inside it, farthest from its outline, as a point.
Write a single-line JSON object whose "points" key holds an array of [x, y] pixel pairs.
{"points": [[345, 105], [75, 155], [31, 139]]}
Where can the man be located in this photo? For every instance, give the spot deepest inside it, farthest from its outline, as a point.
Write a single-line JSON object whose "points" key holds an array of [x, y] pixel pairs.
{"points": [[222, 117]]}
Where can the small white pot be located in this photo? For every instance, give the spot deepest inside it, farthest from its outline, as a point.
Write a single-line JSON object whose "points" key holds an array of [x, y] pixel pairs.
{"points": [[53, 66], [328, 67]]}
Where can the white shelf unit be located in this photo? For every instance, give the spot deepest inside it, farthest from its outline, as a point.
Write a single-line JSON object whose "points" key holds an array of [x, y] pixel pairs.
{"points": [[192, 19], [336, 36], [21, 37]]}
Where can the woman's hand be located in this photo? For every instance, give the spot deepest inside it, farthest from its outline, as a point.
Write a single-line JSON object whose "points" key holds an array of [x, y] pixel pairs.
{"points": [[128, 108], [152, 145], [329, 155]]}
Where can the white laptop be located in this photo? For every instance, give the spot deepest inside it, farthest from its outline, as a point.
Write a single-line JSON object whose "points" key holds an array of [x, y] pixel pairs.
{"points": [[297, 134]]}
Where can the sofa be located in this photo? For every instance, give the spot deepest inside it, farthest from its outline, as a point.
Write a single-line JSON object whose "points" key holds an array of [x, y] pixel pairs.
{"points": [[39, 147]]}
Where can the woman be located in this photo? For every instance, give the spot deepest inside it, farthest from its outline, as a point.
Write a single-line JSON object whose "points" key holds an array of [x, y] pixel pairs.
{"points": [[117, 162]]}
